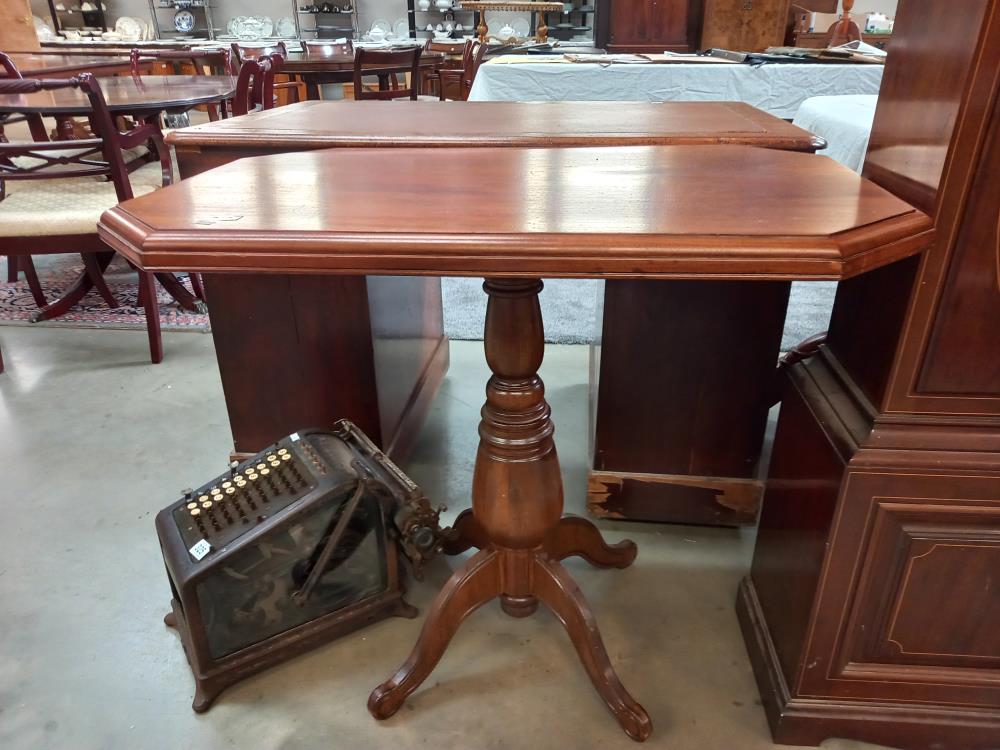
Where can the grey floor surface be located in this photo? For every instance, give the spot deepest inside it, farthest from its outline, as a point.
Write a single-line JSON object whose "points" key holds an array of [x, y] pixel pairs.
{"points": [[95, 440]]}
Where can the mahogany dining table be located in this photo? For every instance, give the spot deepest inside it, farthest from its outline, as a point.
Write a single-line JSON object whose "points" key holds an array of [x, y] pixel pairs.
{"points": [[686, 451], [722, 212], [50, 65], [140, 97], [317, 65]]}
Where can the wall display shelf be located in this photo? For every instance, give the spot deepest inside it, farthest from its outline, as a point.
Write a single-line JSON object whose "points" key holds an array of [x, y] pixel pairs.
{"points": [[182, 19], [576, 22], [420, 13], [329, 20], [89, 13]]}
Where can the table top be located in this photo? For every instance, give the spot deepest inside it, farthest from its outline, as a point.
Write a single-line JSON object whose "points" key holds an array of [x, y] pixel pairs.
{"points": [[320, 124], [127, 94], [634, 212], [40, 65], [317, 60]]}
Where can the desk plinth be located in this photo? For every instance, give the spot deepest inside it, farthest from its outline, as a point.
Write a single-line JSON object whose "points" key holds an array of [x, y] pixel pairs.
{"points": [[736, 225]]}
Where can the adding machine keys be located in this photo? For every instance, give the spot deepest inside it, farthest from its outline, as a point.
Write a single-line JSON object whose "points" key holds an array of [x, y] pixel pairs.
{"points": [[289, 549]]}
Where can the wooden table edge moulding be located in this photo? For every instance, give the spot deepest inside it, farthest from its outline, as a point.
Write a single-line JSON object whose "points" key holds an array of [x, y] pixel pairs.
{"points": [[844, 226], [685, 479]]}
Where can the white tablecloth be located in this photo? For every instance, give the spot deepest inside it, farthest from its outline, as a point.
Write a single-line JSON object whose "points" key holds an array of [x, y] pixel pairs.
{"points": [[775, 88], [844, 121]]}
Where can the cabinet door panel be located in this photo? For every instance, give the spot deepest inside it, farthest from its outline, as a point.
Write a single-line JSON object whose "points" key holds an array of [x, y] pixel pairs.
{"points": [[654, 25]]}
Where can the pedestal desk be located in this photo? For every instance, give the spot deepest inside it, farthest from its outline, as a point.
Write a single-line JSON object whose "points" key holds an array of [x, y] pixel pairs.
{"points": [[749, 214], [872, 608], [687, 450]]}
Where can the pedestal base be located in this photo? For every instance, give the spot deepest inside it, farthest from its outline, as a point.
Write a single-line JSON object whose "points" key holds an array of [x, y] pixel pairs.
{"points": [[516, 519], [485, 577]]}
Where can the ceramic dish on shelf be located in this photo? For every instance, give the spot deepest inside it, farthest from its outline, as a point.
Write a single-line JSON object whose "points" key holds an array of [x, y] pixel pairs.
{"points": [[401, 28], [382, 24], [129, 28], [285, 27], [266, 25], [184, 21], [521, 26]]}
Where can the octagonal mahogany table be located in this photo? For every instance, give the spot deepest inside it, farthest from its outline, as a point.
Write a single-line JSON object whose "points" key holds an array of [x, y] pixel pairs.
{"points": [[742, 213]]}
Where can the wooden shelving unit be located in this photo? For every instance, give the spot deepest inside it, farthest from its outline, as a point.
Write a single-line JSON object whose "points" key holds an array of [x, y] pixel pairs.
{"points": [[330, 24], [433, 15], [162, 14], [94, 19]]}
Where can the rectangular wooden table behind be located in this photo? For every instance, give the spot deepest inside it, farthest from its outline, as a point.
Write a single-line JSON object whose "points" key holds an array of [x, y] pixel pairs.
{"points": [[686, 451]]}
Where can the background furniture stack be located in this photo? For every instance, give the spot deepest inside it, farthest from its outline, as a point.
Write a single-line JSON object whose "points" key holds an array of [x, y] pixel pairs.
{"points": [[872, 605]]}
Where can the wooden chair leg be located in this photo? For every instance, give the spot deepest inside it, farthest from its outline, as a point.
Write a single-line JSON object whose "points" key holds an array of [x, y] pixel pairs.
{"points": [[197, 286], [147, 288], [25, 264], [1, 362], [96, 274], [11, 269]]}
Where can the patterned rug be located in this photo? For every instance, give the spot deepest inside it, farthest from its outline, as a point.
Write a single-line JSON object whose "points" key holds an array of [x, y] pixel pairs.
{"points": [[57, 272]]}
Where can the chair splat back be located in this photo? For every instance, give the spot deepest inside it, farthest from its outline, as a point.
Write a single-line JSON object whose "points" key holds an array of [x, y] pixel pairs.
{"points": [[99, 156], [255, 84], [386, 64]]}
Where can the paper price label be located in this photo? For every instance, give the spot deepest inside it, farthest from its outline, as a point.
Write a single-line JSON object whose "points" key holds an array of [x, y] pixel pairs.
{"points": [[199, 550]]}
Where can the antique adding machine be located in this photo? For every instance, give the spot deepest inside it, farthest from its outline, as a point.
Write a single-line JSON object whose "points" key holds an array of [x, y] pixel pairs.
{"points": [[289, 549]]}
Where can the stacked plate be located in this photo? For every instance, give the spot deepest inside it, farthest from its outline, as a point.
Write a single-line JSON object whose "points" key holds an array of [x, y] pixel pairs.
{"points": [[251, 28], [133, 29]]}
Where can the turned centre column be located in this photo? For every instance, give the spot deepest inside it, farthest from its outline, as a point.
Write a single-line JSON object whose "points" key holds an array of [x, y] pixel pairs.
{"points": [[516, 488]]}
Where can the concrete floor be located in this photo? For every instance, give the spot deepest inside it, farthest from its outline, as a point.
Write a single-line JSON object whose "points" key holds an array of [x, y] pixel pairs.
{"points": [[96, 440]]}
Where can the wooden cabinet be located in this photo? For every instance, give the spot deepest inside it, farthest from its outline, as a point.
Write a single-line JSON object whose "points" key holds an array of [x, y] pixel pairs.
{"points": [[872, 605], [744, 25], [17, 30], [648, 25]]}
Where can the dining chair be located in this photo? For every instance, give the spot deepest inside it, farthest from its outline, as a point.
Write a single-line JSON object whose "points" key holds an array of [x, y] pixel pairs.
{"points": [[472, 58], [52, 194], [288, 83], [17, 264], [386, 64], [255, 85]]}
